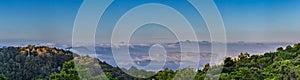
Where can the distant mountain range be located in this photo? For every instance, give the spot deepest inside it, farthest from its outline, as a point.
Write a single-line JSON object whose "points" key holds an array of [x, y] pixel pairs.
{"points": [[139, 52]]}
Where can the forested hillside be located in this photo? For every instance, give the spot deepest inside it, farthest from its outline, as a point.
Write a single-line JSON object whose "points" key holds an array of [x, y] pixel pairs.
{"points": [[284, 64], [31, 62], [39, 62], [19, 63]]}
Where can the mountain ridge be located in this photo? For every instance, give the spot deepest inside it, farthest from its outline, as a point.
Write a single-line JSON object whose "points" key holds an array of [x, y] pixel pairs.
{"points": [[42, 62]]}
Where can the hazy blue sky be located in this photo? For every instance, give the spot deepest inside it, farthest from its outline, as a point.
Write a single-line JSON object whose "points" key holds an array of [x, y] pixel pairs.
{"points": [[245, 20]]}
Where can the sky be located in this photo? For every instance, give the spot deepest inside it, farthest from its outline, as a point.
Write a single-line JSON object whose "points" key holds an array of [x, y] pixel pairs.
{"points": [[244, 20]]}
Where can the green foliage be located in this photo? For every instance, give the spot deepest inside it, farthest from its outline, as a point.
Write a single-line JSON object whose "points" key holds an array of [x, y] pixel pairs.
{"points": [[68, 72], [281, 65], [279, 49], [186, 73], [2, 77], [24, 63], [206, 67], [140, 73], [83, 70]]}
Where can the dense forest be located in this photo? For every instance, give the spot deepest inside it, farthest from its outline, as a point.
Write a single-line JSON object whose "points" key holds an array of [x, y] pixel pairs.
{"points": [[19, 63]]}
